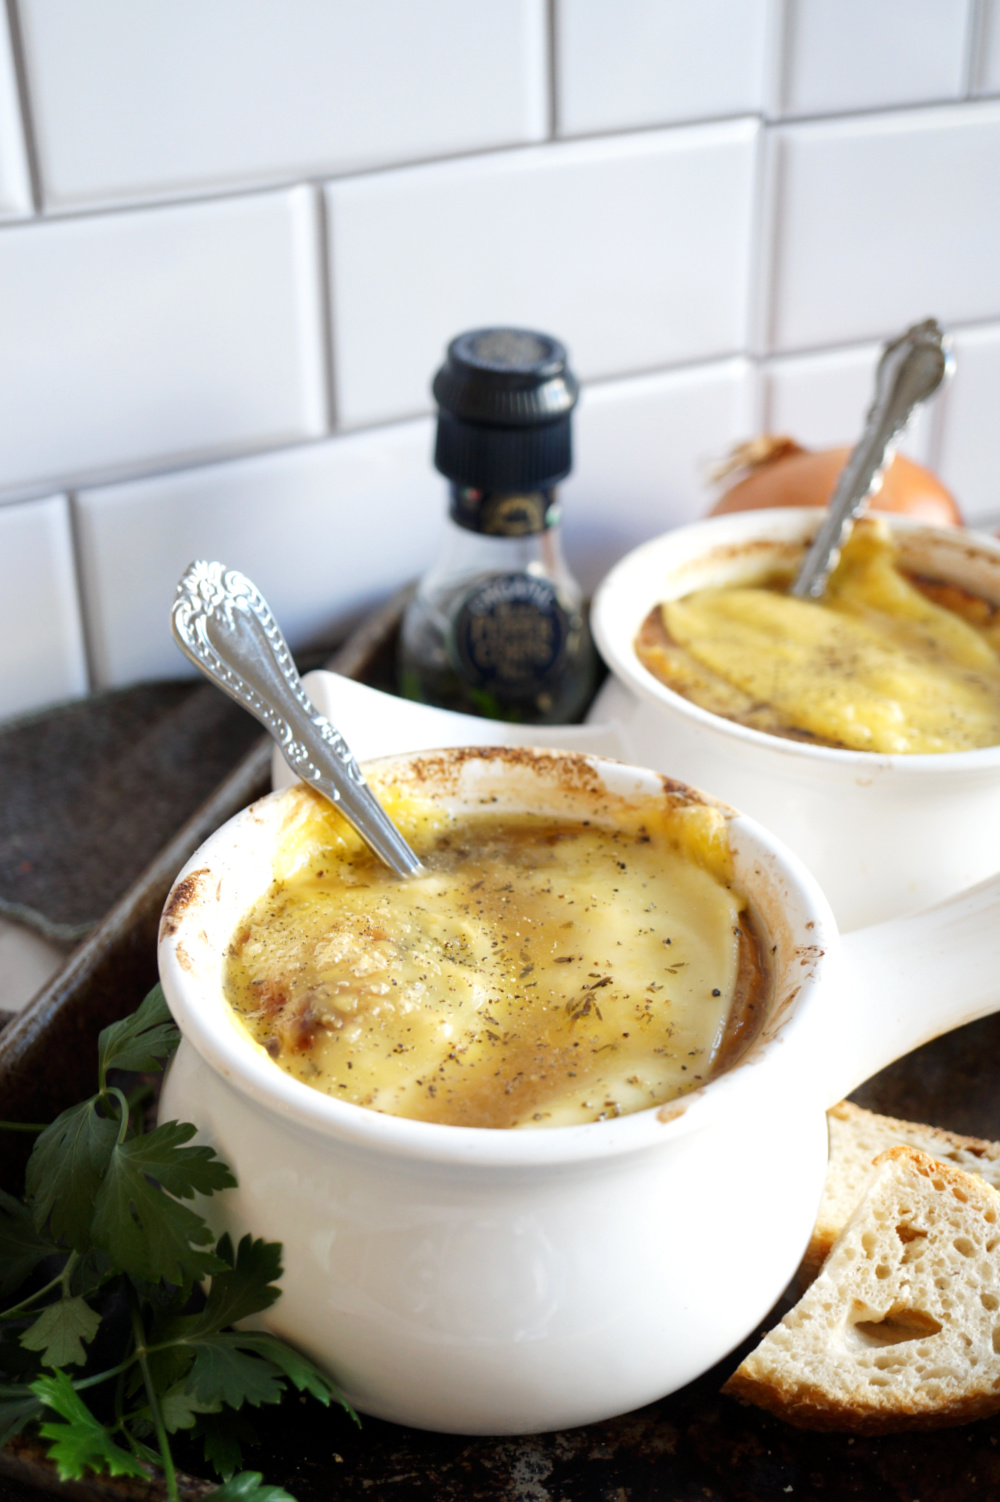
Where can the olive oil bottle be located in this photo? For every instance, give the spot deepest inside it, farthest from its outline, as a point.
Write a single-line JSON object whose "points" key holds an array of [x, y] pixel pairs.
{"points": [[498, 626]]}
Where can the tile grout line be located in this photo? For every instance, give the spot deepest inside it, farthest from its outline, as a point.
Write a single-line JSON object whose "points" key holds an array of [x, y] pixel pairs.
{"points": [[991, 321], [776, 80], [761, 250], [885, 111], [326, 300], [552, 71], [103, 479], [24, 103], [223, 192], [82, 593], [759, 361], [752, 408], [975, 30]]}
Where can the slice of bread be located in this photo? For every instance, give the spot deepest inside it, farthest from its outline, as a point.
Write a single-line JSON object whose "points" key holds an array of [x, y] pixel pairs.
{"points": [[856, 1139], [901, 1330]]}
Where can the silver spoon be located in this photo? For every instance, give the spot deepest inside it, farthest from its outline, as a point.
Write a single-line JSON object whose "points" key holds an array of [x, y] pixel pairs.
{"points": [[911, 369], [222, 622]]}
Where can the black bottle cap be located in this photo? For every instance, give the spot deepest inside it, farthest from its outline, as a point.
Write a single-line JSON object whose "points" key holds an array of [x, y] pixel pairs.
{"points": [[505, 397]]}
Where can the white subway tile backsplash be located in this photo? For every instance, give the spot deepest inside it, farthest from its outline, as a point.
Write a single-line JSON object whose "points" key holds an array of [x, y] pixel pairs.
{"points": [[667, 235], [653, 62], [987, 63], [634, 250], [822, 400], [969, 454], [882, 220], [866, 54], [142, 338], [642, 451], [42, 655], [324, 530], [15, 178], [178, 96]]}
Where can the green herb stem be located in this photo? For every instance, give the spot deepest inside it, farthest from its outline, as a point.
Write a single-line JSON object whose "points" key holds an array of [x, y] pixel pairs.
{"points": [[139, 1450], [67, 1272], [181, 1343], [124, 1111], [15, 1309], [23, 1390], [169, 1474], [22, 1126], [99, 1377]]}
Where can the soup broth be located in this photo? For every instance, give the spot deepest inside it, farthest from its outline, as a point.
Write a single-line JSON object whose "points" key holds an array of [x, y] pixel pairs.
{"points": [[542, 971], [885, 662]]}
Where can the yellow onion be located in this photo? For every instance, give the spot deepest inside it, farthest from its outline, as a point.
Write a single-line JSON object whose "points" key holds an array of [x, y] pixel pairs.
{"points": [[777, 471]]}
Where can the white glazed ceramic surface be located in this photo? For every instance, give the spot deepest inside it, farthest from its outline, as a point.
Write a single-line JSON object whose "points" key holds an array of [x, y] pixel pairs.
{"points": [[485, 1281], [883, 835]]}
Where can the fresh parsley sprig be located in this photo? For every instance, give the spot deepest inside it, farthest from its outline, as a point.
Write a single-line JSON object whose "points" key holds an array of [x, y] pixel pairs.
{"points": [[103, 1264]]}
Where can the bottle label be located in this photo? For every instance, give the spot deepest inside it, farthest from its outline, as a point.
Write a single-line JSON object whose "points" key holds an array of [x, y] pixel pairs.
{"points": [[501, 515], [510, 634]]}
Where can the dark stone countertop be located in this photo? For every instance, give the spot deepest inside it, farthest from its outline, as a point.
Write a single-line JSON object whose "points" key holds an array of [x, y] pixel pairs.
{"points": [[92, 793]]}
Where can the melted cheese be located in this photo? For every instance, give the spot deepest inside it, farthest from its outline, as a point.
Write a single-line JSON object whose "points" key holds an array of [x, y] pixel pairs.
{"points": [[542, 971], [877, 665]]}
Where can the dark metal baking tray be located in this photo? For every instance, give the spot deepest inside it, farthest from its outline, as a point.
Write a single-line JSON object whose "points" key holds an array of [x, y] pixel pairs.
{"points": [[692, 1446]]}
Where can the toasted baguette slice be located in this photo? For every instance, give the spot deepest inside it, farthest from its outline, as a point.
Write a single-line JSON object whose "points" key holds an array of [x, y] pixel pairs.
{"points": [[856, 1139], [901, 1330]]}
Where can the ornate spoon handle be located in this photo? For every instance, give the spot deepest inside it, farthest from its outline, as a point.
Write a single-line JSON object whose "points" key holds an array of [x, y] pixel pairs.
{"points": [[911, 369], [222, 622]]}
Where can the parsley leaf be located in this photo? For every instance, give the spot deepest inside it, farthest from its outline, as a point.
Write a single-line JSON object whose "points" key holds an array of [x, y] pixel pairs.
{"points": [[92, 1271], [244, 1287], [22, 1245], [65, 1170], [226, 1369], [222, 1438], [98, 1185], [300, 1371], [82, 1442], [183, 1171], [180, 1409], [145, 1232], [60, 1330], [246, 1487], [139, 1042]]}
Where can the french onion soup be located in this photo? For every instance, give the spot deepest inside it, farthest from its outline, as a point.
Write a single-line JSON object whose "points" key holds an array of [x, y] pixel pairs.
{"points": [[887, 661], [542, 971]]}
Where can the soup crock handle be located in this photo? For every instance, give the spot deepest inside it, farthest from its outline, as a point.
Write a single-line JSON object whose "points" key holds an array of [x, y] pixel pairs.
{"points": [[909, 980]]}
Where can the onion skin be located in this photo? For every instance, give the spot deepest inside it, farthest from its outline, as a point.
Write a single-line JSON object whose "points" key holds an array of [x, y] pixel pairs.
{"points": [[806, 478]]}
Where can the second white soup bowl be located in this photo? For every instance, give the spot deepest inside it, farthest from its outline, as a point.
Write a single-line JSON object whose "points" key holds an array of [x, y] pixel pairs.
{"points": [[883, 835]]}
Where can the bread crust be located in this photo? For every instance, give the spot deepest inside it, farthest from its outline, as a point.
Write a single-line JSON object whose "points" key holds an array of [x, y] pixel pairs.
{"points": [[812, 1408], [857, 1136]]}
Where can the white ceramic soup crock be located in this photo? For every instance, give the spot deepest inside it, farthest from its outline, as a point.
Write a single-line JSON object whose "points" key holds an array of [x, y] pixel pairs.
{"points": [[883, 835], [490, 1281]]}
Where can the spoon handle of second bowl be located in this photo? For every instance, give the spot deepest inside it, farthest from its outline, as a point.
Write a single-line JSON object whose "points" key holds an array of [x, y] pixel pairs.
{"points": [[911, 369], [222, 622]]}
